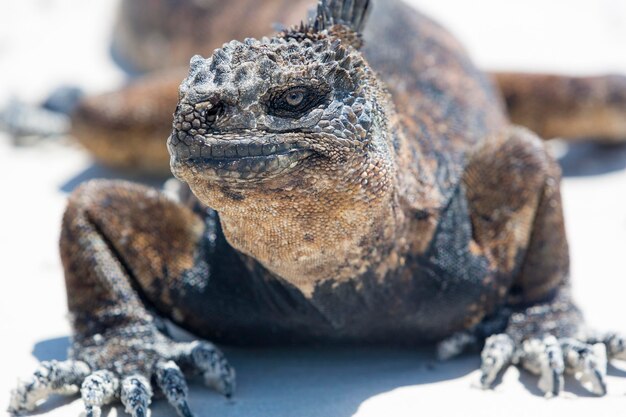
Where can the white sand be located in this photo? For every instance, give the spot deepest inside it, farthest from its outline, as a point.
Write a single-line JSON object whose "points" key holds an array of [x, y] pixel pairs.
{"points": [[47, 42]]}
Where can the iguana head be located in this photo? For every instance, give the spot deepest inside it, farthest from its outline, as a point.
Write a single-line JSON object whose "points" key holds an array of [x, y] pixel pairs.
{"points": [[259, 110], [287, 138]]}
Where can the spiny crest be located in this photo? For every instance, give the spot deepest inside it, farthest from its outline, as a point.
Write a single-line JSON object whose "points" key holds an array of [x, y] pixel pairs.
{"points": [[350, 13], [239, 65], [339, 19]]}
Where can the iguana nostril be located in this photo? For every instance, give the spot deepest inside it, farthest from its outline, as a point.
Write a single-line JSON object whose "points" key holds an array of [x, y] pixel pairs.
{"points": [[210, 114]]}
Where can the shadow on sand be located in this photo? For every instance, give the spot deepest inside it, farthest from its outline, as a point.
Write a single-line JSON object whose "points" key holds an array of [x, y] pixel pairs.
{"points": [[587, 158], [98, 171], [304, 382]]}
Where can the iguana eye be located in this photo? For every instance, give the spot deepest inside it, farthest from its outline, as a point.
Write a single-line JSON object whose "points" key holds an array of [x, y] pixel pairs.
{"points": [[294, 97], [296, 101]]}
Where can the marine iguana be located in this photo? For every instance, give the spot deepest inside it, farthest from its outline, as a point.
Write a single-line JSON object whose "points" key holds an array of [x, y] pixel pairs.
{"points": [[357, 185]]}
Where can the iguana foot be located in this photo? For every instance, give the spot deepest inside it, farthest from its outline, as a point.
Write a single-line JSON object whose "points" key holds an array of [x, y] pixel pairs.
{"points": [[51, 377], [120, 367], [550, 358]]}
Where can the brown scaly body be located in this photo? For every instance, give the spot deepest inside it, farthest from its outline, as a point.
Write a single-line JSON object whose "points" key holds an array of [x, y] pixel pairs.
{"points": [[356, 195]]}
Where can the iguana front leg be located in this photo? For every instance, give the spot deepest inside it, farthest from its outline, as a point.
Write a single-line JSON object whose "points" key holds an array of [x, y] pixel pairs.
{"points": [[512, 186], [119, 244]]}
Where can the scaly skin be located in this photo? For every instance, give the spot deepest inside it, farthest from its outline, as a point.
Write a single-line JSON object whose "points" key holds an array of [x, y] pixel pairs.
{"points": [[356, 195], [125, 129]]}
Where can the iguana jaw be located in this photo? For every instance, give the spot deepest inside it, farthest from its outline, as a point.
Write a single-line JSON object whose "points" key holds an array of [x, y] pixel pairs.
{"points": [[227, 159], [310, 226]]}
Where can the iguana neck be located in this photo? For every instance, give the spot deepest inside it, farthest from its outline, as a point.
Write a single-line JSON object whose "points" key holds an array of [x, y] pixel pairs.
{"points": [[335, 243], [315, 226]]}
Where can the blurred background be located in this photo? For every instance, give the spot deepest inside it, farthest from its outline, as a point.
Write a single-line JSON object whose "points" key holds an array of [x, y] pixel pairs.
{"points": [[85, 47], [44, 43]]}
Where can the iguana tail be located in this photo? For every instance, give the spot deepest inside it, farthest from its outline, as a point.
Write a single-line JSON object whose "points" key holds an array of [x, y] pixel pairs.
{"points": [[567, 107]]}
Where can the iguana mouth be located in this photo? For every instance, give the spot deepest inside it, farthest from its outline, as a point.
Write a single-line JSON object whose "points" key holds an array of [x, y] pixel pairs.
{"points": [[239, 159]]}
